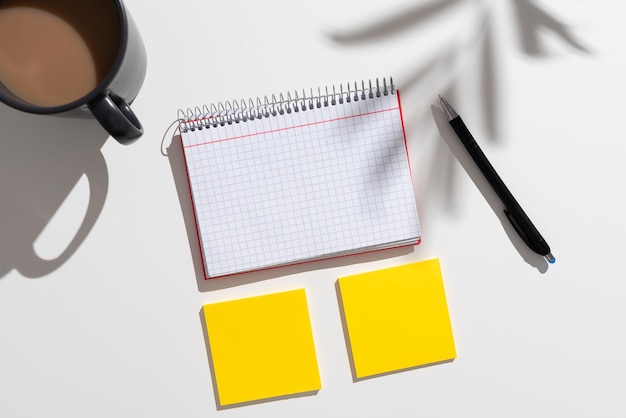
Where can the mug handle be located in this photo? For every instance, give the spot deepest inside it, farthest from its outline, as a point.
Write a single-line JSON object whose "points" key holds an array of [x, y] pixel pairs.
{"points": [[115, 115]]}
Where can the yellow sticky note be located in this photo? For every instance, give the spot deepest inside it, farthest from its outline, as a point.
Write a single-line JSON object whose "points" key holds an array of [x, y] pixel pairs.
{"points": [[397, 318], [262, 347]]}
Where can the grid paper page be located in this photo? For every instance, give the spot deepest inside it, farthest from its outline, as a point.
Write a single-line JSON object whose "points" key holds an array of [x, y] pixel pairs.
{"points": [[302, 186]]}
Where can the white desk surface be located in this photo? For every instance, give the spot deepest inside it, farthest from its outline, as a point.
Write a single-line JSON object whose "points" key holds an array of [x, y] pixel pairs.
{"points": [[108, 324]]}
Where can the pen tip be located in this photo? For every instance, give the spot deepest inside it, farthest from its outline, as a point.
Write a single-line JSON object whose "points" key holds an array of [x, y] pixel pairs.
{"points": [[447, 108], [551, 259]]}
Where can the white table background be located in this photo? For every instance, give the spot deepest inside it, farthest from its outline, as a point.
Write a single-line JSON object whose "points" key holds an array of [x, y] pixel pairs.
{"points": [[109, 325]]}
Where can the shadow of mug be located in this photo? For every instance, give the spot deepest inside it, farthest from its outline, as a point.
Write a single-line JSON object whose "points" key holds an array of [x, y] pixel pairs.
{"points": [[83, 63], [41, 161]]}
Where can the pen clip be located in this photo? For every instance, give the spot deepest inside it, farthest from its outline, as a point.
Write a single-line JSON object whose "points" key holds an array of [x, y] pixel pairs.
{"points": [[520, 231]]}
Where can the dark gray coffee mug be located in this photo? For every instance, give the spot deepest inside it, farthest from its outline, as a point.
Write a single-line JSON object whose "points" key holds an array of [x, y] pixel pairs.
{"points": [[109, 100]]}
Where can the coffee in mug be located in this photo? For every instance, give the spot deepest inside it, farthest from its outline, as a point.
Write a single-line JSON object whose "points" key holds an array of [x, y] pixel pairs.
{"points": [[72, 56]]}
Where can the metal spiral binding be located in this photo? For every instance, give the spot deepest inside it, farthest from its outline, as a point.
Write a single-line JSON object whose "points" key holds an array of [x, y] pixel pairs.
{"points": [[237, 111]]}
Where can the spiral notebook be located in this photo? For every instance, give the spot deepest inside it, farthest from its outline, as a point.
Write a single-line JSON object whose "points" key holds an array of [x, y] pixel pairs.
{"points": [[298, 178]]}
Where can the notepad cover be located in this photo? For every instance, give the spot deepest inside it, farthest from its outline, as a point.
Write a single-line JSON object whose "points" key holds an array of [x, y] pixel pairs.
{"points": [[396, 318], [262, 347], [305, 185]]}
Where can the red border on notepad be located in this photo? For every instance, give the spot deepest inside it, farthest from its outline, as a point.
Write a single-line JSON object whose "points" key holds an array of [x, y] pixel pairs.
{"points": [[297, 263]]}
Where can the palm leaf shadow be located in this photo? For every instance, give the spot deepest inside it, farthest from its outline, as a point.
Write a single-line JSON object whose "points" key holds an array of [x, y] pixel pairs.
{"points": [[489, 81], [533, 20], [532, 24]]}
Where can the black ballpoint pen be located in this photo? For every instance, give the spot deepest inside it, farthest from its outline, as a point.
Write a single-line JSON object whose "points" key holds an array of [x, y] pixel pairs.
{"points": [[512, 209]]}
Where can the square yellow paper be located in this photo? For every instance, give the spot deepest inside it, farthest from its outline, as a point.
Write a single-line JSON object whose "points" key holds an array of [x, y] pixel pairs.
{"points": [[397, 318], [262, 347]]}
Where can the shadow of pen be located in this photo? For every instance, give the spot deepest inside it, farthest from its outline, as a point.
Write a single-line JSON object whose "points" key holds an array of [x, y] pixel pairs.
{"points": [[459, 151]]}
